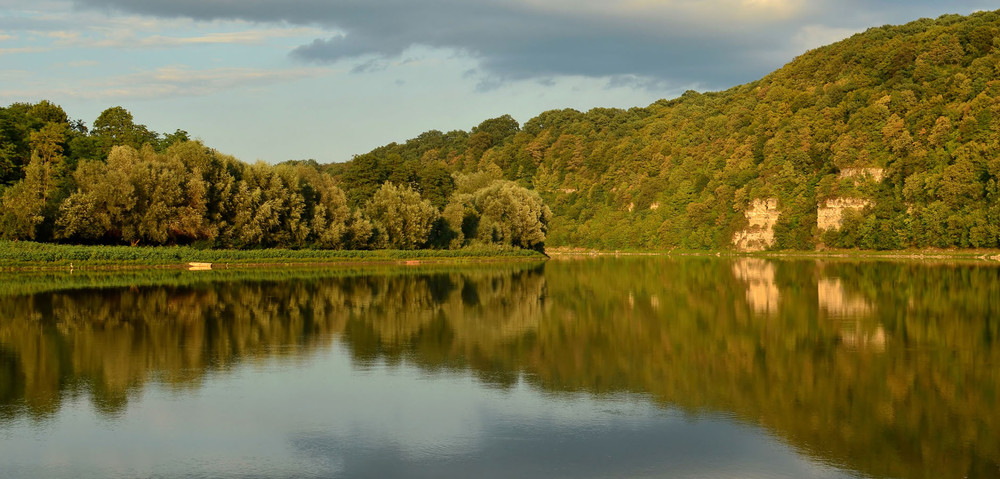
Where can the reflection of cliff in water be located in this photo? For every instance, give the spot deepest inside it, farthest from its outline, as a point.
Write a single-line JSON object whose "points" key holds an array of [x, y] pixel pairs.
{"points": [[685, 332], [762, 293]]}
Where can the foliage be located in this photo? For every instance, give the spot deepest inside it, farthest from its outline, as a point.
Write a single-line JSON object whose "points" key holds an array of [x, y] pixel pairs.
{"points": [[31, 254], [400, 218]]}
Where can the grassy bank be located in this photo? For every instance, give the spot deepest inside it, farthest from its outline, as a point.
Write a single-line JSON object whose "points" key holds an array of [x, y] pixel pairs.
{"points": [[935, 254], [29, 255], [14, 283]]}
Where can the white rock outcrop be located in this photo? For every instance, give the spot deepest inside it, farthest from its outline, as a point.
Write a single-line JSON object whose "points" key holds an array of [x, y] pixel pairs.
{"points": [[759, 234], [830, 214]]}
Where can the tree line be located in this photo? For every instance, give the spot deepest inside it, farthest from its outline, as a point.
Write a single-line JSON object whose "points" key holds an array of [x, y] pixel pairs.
{"points": [[121, 183]]}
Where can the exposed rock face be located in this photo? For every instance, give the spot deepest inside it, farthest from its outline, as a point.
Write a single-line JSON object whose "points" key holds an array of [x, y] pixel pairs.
{"points": [[759, 235], [830, 215], [876, 174]]}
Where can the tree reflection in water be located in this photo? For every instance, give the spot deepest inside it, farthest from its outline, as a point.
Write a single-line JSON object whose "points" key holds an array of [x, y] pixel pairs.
{"points": [[890, 368]]}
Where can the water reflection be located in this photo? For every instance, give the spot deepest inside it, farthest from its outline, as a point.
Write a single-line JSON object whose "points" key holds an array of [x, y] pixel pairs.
{"points": [[762, 292], [890, 369]]}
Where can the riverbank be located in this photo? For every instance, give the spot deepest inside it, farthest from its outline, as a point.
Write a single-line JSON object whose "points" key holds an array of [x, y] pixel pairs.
{"points": [[30, 256], [916, 254], [34, 281]]}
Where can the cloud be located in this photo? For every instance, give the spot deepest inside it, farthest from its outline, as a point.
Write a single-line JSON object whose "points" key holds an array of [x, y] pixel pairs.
{"points": [[171, 82], [15, 50], [64, 28], [678, 42], [246, 37], [82, 63]]}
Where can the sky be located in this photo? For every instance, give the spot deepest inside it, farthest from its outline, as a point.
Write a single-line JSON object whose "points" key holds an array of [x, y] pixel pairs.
{"points": [[277, 80]]}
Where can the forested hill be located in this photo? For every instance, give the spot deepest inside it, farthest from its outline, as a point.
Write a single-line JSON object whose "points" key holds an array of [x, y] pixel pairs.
{"points": [[888, 139], [899, 123]]}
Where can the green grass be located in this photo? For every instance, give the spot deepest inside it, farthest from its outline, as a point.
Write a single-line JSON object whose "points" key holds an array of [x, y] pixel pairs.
{"points": [[26, 254], [18, 283], [926, 253]]}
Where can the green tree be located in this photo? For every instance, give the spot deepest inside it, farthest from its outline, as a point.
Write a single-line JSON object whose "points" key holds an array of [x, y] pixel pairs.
{"points": [[400, 217], [116, 127], [511, 214]]}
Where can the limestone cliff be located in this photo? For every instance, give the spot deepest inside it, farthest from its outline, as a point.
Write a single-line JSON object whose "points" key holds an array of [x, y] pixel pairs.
{"points": [[830, 215], [759, 233]]}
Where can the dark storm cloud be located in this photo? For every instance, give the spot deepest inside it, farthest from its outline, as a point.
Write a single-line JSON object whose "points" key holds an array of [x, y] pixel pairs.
{"points": [[518, 40]]}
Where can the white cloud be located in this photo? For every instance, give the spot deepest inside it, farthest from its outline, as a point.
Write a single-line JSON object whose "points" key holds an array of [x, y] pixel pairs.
{"points": [[82, 63], [246, 37], [170, 82], [14, 50], [66, 28]]}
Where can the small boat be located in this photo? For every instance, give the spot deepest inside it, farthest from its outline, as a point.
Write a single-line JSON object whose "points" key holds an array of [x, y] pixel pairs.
{"points": [[199, 266]]}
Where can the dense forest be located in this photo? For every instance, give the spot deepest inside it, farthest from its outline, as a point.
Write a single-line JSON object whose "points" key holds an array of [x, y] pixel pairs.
{"points": [[916, 105]]}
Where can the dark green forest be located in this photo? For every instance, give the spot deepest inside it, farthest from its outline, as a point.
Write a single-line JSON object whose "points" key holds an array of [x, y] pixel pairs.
{"points": [[918, 103]]}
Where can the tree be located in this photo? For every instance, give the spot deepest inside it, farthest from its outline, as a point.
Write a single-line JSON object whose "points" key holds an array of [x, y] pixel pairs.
{"points": [[136, 197], [33, 199], [103, 201], [498, 129], [511, 214], [22, 206], [400, 217], [115, 127], [326, 209]]}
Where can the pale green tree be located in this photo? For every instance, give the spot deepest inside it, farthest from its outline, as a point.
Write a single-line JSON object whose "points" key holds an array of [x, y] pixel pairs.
{"points": [[266, 209], [326, 207], [400, 217], [103, 200], [137, 197], [511, 214], [461, 219]]}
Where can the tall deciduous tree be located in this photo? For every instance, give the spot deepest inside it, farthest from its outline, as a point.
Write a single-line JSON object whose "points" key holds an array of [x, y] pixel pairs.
{"points": [[400, 217], [116, 127], [511, 214], [32, 200]]}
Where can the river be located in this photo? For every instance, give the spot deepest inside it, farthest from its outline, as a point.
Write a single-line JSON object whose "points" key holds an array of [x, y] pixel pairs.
{"points": [[575, 367]]}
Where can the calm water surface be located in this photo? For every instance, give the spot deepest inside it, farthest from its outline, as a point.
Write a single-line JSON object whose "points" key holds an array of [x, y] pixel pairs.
{"points": [[627, 367]]}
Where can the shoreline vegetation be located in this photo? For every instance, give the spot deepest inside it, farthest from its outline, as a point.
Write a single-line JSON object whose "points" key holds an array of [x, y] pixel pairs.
{"points": [[36, 281], [24, 256], [919, 254], [31, 256]]}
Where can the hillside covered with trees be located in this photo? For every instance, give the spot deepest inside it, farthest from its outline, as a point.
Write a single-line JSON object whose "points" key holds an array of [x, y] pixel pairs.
{"points": [[918, 101], [916, 108]]}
